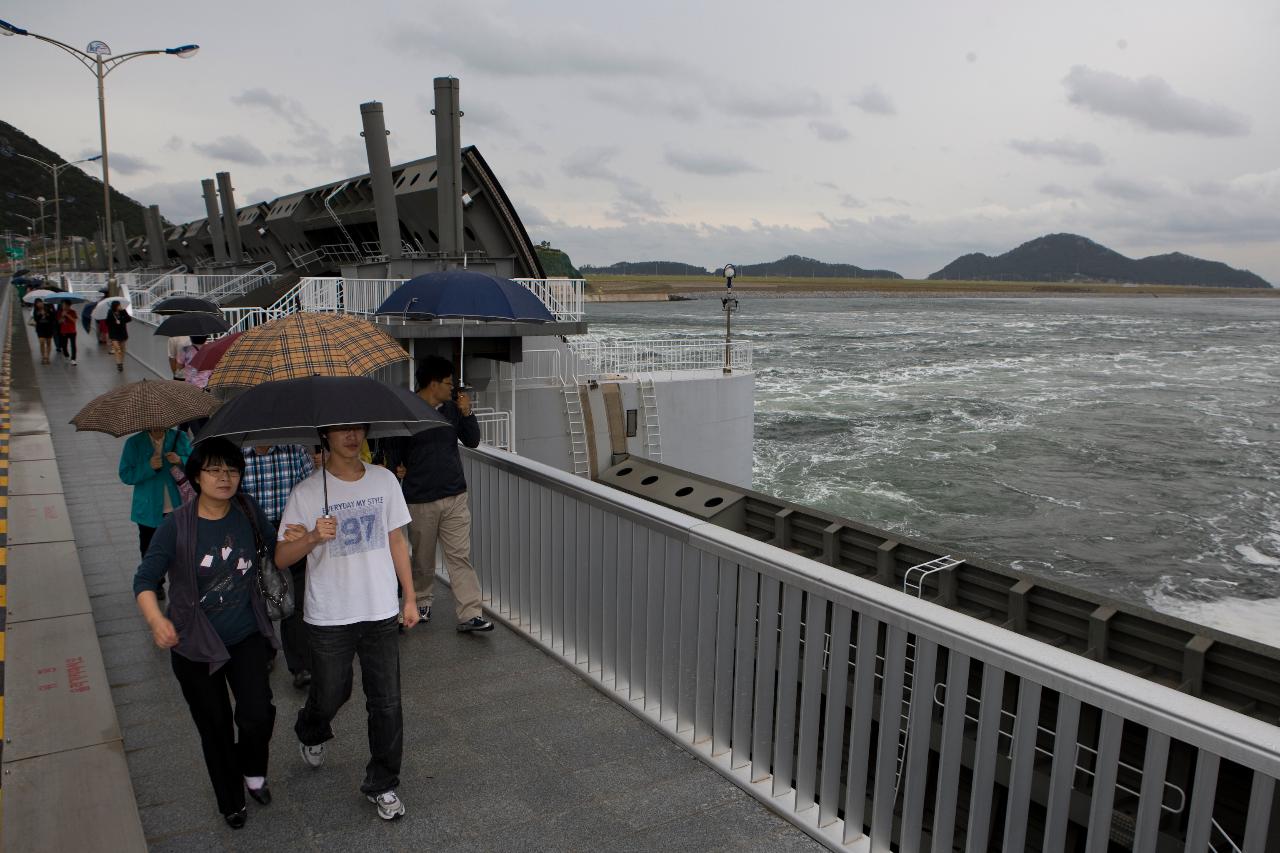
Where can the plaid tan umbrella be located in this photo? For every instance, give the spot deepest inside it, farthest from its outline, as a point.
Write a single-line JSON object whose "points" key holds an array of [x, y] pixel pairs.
{"points": [[154, 404], [306, 344]]}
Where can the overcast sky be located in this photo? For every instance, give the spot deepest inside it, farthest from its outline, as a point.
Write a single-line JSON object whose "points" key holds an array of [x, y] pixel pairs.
{"points": [[888, 135]]}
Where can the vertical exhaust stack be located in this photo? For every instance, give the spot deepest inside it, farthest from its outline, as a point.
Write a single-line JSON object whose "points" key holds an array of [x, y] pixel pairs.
{"points": [[215, 221], [230, 222], [155, 238], [121, 246], [449, 166], [100, 243], [384, 191]]}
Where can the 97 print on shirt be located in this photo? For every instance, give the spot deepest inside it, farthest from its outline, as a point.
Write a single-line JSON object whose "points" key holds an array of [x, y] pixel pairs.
{"points": [[360, 527]]}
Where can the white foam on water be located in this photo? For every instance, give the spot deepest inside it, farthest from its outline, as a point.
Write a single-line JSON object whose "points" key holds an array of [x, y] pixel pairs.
{"points": [[1256, 557], [1255, 619]]}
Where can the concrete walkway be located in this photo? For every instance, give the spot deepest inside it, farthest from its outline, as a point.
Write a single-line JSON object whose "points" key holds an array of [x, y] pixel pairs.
{"points": [[505, 749]]}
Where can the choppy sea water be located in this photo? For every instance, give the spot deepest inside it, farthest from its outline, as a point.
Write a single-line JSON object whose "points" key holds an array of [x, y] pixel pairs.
{"points": [[1131, 446]]}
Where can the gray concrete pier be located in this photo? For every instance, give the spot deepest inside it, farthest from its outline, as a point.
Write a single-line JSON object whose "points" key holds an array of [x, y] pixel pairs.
{"points": [[505, 748]]}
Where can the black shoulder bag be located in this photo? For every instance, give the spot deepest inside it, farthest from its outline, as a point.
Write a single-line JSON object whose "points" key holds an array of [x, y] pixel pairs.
{"points": [[275, 586]]}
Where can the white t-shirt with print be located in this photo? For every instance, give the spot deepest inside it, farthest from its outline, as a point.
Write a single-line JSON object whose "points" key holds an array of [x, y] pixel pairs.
{"points": [[351, 578]]}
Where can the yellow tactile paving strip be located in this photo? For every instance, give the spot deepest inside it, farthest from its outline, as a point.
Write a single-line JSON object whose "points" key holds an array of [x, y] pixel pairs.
{"points": [[5, 425]]}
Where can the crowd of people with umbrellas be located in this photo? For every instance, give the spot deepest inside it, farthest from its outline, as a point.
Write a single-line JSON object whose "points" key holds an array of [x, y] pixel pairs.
{"points": [[256, 500]]}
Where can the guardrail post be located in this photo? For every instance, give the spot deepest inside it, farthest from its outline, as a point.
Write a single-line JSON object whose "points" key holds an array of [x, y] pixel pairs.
{"points": [[782, 528], [1018, 605], [885, 560], [831, 544], [1099, 632], [1193, 664]]}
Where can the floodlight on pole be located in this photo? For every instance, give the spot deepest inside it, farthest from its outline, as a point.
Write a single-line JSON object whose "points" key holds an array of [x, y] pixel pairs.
{"points": [[97, 57], [56, 169], [728, 303]]}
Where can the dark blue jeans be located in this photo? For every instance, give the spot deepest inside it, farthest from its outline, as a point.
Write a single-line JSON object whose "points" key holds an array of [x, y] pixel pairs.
{"points": [[333, 648]]}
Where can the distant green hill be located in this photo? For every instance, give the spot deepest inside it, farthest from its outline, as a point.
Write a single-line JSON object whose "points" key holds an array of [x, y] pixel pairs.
{"points": [[796, 266], [81, 194], [646, 268], [555, 263], [1070, 257]]}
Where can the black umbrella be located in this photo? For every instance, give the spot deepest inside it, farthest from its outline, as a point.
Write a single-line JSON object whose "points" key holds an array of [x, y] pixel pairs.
{"points": [[292, 411], [185, 304], [196, 323]]}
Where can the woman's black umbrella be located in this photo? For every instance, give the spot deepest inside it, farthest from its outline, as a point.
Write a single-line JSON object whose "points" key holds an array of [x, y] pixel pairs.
{"points": [[185, 304], [292, 411], [193, 324]]}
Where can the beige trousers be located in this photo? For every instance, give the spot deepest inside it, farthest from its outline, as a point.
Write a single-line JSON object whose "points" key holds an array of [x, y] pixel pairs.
{"points": [[447, 521]]}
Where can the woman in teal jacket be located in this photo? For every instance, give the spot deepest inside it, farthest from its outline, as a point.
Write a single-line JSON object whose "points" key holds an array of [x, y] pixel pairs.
{"points": [[145, 464]]}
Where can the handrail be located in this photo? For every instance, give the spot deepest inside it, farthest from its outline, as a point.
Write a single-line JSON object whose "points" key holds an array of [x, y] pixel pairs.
{"points": [[242, 283], [764, 664]]}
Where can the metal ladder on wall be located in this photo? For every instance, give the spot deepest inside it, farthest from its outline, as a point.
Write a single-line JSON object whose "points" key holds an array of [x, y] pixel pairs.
{"points": [[577, 431], [649, 411]]}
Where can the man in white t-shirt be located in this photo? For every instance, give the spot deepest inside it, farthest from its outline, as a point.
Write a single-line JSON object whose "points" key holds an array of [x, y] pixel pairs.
{"points": [[356, 550]]}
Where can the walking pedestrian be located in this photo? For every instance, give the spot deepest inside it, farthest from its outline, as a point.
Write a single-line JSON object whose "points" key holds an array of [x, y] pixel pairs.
{"points": [[46, 322], [177, 344], [118, 321], [146, 463], [67, 317], [271, 472], [356, 550], [435, 489], [217, 629]]}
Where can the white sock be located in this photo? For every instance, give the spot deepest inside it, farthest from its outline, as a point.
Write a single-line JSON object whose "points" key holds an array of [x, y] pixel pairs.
{"points": [[255, 782]]}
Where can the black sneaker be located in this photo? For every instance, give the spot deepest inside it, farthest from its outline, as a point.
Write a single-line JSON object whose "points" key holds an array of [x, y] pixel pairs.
{"points": [[236, 820], [475, 623], [424, 614]]}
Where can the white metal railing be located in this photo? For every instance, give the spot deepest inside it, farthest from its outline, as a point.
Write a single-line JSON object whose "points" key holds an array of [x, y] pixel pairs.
{"points": [[495, 428], [562, 296], [654, 356], [764, 664], [242, 284], [538, 367], [362, 296], [85, 282]]}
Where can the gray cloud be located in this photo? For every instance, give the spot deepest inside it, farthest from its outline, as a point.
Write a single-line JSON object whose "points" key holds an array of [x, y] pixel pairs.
{"points": [[1126, 189], [180, 201], [310, 143], [644, 102], [534, 180], [874, 101], [703, 163], [851, 201], [120, 163], [796, 103], [1059, 191], [1150, 102], [829, 131], [634, 203], [232, 149], [498, 44], [175, 144], [1074, 153]]}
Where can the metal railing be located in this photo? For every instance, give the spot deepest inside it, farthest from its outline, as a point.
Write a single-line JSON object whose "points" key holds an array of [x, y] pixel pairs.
{"points": [[764, 664], [562, 296], [655, 356], [495, 428], [242, 284]]}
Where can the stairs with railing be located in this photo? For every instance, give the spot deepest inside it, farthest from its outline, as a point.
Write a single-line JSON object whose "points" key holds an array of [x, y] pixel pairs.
{"points": [[243, 284]]}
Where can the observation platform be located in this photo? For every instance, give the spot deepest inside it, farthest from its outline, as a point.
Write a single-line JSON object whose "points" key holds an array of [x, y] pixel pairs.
{"points": [[506, 748]]}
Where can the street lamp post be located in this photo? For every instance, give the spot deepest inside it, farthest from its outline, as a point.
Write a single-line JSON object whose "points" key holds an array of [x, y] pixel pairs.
{"points": [[729, 304], [37, 223], [56, 169], [95, 58]]}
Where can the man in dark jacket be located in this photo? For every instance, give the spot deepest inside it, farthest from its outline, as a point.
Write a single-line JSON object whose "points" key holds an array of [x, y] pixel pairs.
{"points": [[436, 491]]}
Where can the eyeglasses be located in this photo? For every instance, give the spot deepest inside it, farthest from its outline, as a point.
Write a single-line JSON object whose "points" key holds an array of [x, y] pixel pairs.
{"points": [[219, 473]]}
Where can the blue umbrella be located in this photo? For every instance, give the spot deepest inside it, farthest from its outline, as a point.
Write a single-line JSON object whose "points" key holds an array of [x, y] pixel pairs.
{"points": [[65, 297], [464, 295]]}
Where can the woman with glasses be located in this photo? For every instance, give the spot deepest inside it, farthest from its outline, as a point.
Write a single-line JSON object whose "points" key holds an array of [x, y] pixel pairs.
{"points": [[217, 628]]}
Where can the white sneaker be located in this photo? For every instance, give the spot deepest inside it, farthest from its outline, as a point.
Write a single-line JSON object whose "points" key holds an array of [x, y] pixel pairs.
{"points": [[73, 362], [389, 805], [312, 755]]}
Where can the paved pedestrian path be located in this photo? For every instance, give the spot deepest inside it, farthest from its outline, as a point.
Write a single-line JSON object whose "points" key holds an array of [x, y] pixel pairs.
{"points": [[505, 748]]}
